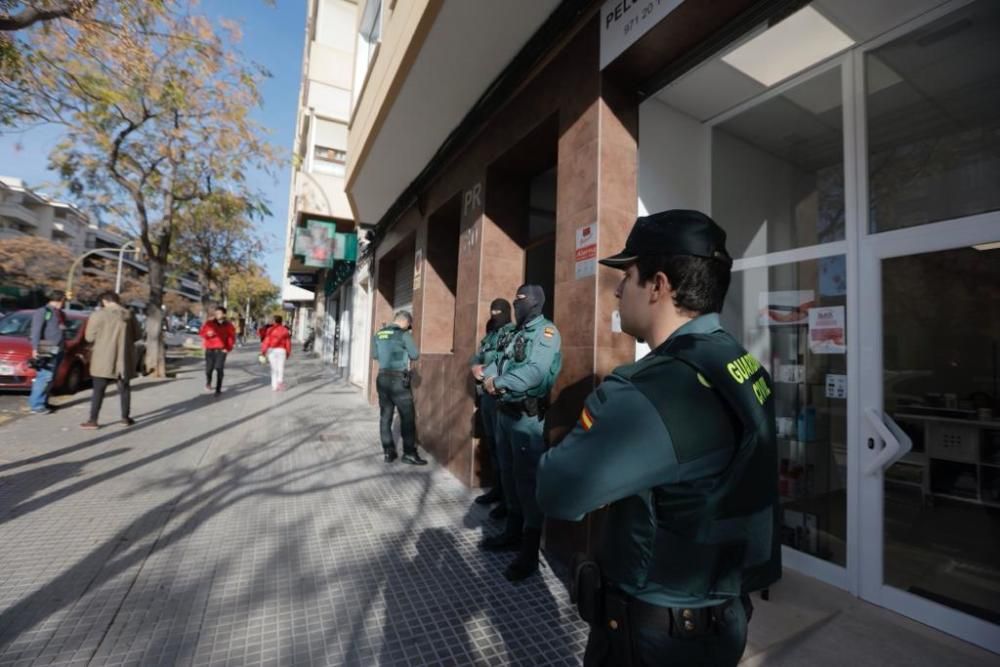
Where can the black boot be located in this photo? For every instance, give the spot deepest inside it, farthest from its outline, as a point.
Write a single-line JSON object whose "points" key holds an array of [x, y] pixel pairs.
{"points": [[390, 455], [413, 458], [509, 539], [492, 496], [526, 563], [498, 512]]}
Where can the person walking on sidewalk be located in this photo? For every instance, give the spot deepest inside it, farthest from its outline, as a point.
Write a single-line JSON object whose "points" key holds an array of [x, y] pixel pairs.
{"points": [[276, 345], [393, 347], [219, 337], [112, 331], [47, 326]]}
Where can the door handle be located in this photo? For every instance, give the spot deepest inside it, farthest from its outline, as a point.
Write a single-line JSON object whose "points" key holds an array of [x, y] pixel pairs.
{"points": [[897, 443]]}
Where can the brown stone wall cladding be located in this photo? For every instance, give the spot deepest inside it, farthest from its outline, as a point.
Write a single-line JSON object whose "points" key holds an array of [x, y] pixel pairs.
{"points": [[566, 116]]}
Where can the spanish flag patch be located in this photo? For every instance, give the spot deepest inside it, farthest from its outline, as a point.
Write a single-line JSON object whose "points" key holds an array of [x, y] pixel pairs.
{"points": [[549, 332], [586, 419]]}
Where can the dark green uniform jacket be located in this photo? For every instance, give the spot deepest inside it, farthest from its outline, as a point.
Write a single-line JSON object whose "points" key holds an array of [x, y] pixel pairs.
{"points": [[530, 363], [681, 445], [492, 345], [393, 348]]}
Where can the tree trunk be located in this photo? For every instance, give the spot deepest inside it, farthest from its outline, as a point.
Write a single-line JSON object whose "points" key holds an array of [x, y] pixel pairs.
{"points": [[156, 357]]}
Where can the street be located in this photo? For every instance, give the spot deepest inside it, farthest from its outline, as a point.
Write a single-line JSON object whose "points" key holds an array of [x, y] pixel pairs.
{"points": [[253, 528]]}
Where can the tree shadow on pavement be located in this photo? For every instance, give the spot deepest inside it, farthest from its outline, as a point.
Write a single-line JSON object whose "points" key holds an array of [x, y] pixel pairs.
{"points": [[203, 494], [143, 421]]}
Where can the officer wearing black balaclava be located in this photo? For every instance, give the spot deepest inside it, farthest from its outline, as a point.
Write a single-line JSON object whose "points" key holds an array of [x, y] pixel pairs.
{"points": [[499, 329], [521, 379]]}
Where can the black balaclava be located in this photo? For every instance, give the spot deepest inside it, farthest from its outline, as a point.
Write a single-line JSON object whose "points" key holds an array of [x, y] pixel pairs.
{"points": [[497, 321], [530, 306]]}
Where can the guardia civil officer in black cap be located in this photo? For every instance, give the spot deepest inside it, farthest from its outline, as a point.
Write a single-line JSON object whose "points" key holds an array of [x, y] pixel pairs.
{"points": [[681, 446]]}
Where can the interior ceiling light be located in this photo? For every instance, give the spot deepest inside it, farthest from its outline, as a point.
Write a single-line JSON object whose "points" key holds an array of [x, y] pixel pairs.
{"points": [[988, 246], [800, 41]]}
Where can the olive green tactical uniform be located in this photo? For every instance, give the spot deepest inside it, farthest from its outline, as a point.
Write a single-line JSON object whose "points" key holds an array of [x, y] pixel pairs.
{"points": [[394, 348], [525, 374], [490, 348], [681, 446]]}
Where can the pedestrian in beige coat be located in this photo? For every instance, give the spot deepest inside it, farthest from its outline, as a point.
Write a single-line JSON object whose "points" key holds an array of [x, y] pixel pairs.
{"points": [[113, 331]]}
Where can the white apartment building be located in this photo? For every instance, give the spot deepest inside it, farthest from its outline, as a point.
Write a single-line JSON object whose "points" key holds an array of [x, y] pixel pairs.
{"points": [[333, 300], [24, 212]]}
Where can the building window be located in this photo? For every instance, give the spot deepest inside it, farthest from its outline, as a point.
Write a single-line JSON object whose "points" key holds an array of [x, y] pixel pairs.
{"points": [[369, 36], [329, 160]]}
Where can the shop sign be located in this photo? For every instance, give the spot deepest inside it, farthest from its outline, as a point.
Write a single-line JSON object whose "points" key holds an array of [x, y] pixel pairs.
{"points": [[586, 251], [623, 22], [418, 263]]}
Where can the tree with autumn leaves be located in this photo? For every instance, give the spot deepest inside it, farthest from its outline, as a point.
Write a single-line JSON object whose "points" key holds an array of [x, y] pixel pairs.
{"points": [[36, 264], [155, 101]]}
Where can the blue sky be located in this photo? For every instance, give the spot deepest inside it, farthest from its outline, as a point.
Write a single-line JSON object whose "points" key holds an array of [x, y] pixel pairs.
{"points": [[272, 36]]}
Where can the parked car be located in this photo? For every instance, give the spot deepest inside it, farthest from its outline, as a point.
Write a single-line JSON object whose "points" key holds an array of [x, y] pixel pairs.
{"points": [[15, 351], [193, 326]]}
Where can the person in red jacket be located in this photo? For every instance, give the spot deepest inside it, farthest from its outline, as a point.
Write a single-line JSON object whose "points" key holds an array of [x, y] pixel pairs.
{"points": [[219, 336], [277, 347]]}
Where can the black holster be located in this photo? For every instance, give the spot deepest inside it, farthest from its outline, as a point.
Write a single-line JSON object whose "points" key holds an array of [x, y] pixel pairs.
{"points": [[586, 590]]}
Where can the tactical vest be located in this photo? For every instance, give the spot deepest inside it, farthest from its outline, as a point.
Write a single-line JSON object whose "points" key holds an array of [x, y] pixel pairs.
{"points": [[517, 353], [716, 537], [390, 348]]}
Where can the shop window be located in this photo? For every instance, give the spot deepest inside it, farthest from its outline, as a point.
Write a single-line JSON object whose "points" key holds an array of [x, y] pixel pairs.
{"points": [[933, 124], [778, 170], [539, 253], [521, 201], [440, 282], [793, 318]]}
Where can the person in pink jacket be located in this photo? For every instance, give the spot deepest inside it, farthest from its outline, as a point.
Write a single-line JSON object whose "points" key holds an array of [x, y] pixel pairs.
{"points": [[277, 347]]}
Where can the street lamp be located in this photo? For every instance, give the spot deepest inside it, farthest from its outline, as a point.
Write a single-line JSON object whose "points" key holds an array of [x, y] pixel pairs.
{"points": [[121, 258], [95, 251]]}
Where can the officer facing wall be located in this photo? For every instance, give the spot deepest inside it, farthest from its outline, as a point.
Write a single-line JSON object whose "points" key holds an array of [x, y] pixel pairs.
{"points": [[683, 451], [394, 348], [521, 379]]}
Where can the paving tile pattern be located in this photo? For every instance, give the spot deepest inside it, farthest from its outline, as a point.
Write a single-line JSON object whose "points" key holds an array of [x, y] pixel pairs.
{"points": [[252, 529]]}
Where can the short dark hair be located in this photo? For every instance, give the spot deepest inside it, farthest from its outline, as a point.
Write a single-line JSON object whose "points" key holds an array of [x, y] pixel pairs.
{"points": [[222, 308], [699, 283], [110, 296], [57, 295], [277, 319], [403, 315]]}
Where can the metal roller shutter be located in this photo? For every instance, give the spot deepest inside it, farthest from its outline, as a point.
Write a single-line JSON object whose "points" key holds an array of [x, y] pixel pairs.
{"points": [[402, 293]]}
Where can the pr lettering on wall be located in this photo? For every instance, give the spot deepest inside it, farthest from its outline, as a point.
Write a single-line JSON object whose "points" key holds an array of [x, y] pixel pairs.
{"points": [[472, 208]]}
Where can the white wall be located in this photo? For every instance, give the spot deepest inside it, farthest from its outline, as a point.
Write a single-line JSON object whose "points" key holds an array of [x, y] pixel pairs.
{"points": [[674, 160]]}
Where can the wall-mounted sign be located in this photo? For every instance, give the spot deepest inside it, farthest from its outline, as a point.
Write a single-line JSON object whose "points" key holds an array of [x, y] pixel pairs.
{"points": [[418, 262], [826, 330], [320, 244], [623, 22], [586, 251]]}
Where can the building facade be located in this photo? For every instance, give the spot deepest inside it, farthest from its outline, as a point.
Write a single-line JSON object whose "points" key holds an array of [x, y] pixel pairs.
{"points": [[25, 212], [849, 150], [325, 294]]}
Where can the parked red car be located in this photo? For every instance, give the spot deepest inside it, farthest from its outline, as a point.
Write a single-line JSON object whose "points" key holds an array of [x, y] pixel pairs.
{"points": [[15, 351]]}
